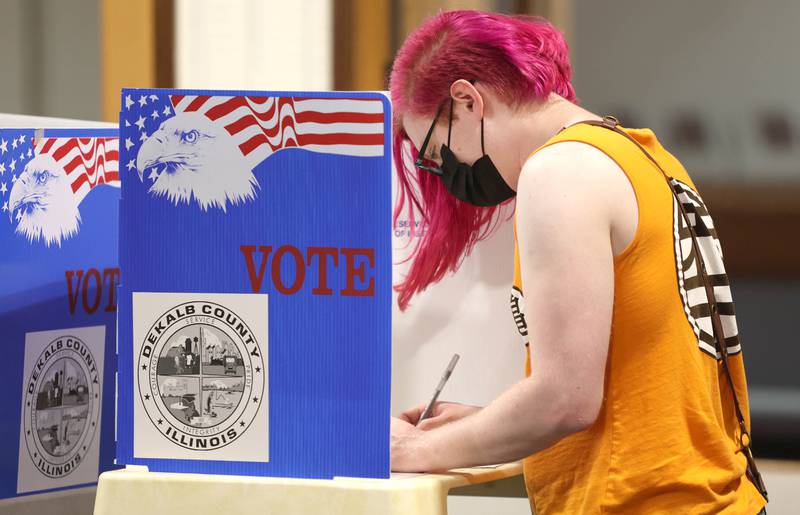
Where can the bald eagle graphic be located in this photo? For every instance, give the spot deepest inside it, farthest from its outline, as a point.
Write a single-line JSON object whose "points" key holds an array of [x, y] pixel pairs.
{"points": [[191, 159], [42, 203]]}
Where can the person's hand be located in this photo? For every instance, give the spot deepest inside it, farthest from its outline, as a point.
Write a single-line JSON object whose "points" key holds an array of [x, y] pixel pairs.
{"points": [[441, 413], [406, 448]]}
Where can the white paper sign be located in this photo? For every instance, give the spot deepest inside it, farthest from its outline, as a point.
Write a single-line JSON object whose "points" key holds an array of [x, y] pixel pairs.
{"points": [[201, 383], [59, 441]]}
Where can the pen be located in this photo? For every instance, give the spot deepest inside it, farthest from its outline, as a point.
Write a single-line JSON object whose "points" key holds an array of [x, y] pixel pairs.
{"points": [[442, 381]]}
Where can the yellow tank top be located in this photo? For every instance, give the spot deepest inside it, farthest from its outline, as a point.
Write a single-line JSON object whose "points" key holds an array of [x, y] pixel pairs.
{"points": [[665, 440]]}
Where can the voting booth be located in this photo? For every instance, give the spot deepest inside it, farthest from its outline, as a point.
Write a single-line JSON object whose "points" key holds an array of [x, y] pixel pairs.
{"points": [[255, 316], [59, 189], [255, 321]]}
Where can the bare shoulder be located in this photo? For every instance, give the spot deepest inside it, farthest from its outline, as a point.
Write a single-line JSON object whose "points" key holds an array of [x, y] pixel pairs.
{"points": [[574, 181], [569, 164]]}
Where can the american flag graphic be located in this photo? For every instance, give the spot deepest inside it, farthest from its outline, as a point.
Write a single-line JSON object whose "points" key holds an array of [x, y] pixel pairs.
{"points": [[262, 125], [204, 149], [16, 150], [87, 162]]}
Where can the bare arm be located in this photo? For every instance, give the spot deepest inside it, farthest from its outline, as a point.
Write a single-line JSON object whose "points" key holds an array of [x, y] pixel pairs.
{"points": [[564, 211]]}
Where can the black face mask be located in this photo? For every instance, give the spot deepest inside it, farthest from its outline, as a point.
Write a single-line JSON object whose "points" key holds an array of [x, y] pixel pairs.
{"points": [[479, 184]]}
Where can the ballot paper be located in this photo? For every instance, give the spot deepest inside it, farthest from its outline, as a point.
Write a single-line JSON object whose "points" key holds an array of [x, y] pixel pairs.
{"points": [[59, 190], [255, 320]]}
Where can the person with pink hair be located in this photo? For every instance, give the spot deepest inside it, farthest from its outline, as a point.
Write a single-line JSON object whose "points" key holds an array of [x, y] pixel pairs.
{"points": [[634, 399]]}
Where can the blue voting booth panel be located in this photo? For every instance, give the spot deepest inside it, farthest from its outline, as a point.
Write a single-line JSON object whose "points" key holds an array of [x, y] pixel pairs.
{"points": [[255, 305], [59, 194]]}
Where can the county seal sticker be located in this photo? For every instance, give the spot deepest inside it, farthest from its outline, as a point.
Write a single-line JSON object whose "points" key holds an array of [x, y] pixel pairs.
{"points": [[59, 440], [201, 388]]}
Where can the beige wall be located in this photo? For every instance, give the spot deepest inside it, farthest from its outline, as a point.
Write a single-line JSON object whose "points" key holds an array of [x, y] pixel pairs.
{"points": [[252, 44], [50, 58], [725, 60]]}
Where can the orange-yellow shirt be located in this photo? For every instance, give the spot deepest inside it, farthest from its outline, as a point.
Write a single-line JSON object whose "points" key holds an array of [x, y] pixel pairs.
{"points": [[666, 439]]}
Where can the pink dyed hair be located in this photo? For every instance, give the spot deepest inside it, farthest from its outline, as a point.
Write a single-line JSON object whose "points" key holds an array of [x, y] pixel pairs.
{"points": [[522, 59]]}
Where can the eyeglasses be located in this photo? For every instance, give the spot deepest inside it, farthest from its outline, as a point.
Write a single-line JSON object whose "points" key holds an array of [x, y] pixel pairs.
{"points": [[420, 162]]}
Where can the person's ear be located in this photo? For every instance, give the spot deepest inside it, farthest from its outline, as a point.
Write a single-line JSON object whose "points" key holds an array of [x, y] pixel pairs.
{"points": [[467, 98]]}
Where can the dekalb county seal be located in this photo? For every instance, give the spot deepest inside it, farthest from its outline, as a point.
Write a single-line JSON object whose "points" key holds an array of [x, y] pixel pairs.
{"points": [[201, 375], [62, 406]]}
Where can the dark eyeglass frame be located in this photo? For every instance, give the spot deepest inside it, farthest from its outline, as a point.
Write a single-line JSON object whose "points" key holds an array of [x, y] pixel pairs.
{"points": [[420, 161]]}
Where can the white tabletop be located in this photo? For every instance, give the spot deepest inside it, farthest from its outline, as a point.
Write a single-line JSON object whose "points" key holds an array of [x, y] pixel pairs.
{"points": [[135, 490]]}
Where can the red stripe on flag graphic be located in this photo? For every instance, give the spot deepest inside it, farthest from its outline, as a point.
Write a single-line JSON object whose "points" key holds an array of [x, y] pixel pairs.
{"points": [[197, 103], [48, 144], [86, 161], [311, 116], [350, 126]]}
